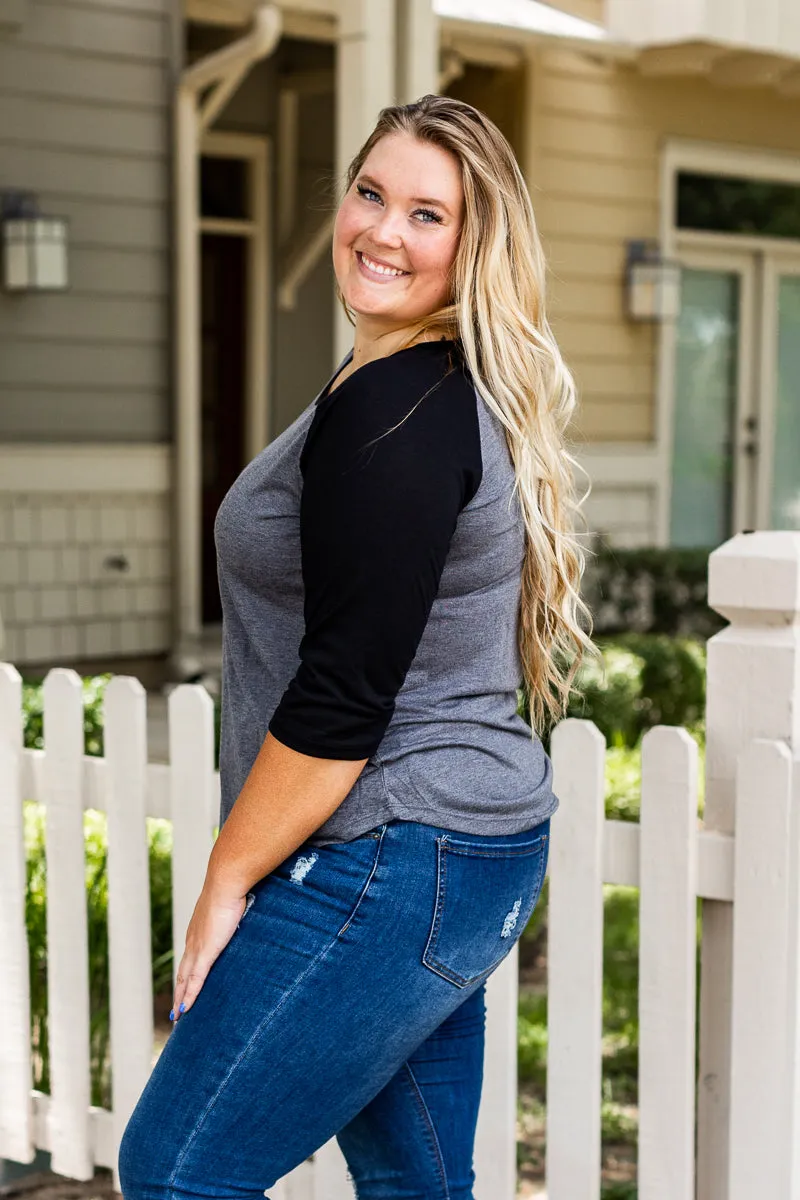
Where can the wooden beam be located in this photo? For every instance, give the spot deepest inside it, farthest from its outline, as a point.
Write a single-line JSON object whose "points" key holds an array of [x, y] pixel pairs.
{"points": [[687, 58], [748, 69], [12, 14], [789, 85]]}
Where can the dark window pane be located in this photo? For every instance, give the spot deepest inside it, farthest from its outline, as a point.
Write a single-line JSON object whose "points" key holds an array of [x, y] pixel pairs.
{"points": [[223, 188], [728, 205]]}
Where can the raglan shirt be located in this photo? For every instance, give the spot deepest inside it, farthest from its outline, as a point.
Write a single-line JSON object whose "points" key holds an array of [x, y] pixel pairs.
{"points": [[369, 567]]}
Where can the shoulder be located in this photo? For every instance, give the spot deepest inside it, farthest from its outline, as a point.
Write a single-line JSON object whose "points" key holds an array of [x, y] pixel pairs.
{"points": [[421, 398]]}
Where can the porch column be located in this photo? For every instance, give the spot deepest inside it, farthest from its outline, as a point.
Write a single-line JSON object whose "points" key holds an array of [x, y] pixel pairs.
{"points": [[417, 50], [203, 89], [365, 83]]}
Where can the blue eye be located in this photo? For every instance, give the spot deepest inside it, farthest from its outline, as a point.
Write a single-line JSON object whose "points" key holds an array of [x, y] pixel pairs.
{"points": [[366, 191], [435, 219]]}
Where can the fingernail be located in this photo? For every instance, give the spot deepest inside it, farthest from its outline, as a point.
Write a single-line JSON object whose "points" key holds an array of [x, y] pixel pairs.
{"points": [[172, 1014], [182, 1007]]}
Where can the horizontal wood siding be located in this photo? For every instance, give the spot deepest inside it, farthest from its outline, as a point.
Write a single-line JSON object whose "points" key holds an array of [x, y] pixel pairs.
{"points": [[595, 136], [84, 124]]}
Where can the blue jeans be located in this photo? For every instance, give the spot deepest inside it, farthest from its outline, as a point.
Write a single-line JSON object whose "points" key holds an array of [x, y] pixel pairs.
{"points": [[349, 1002]]}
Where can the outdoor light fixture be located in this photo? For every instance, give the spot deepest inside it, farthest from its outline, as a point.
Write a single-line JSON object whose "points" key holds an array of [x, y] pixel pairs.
{"points": [[34, 246], [652, 283]]}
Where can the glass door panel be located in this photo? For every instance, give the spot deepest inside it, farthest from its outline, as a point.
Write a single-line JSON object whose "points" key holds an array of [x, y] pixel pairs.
{"points": [[705, 413], [785, 487]]}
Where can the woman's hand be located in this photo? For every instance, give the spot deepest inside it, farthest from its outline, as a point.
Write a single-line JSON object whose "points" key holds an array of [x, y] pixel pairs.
{"points": [[216, 915]]}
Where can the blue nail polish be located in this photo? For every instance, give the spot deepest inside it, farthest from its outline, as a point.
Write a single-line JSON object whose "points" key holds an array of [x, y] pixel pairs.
{"points": [[172, 1014], [182, 1007]]}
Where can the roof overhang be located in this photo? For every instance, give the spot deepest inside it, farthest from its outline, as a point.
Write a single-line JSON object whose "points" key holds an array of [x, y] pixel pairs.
{"points": [[501, 31]]}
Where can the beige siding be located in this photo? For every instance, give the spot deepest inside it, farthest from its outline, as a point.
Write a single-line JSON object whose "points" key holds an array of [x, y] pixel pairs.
{"points": [[596, 132], [84, 124], [589, 10]]}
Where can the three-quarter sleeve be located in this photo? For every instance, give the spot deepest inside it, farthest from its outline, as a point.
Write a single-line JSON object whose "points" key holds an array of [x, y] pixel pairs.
{"points": [[376, 521]]}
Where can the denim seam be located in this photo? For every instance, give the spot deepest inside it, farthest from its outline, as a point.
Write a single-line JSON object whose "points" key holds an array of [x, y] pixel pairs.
{"points": [[365, 888], [240, 1059], [433, 1139]]}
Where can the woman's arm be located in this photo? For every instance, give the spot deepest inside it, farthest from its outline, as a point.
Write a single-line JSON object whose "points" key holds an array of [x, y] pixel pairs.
{"points": [[286, 797]]}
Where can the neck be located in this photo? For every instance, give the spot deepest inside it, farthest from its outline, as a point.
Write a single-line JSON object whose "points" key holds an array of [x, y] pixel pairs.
{"points": [[371, 342]]}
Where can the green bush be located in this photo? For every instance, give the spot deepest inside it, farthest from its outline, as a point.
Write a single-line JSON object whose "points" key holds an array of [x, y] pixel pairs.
{"points": [[94, 687], [650, 590], [160, 850]]}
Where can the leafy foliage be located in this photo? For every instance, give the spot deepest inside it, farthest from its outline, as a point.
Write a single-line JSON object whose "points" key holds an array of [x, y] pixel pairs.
{"points": [[650, 590], [96, 850]]}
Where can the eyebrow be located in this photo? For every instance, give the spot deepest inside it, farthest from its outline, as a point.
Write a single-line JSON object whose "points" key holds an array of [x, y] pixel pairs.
{"points": [[368, 179]]}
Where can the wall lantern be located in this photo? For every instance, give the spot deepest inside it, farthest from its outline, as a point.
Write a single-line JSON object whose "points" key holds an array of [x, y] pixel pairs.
{"points": [[34, 246], [652, 283]]}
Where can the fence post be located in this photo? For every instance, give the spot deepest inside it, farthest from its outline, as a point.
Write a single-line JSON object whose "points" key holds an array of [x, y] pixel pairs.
{"points": [[764, 1018], [575, 963], [753, 691], [16, 1109]]}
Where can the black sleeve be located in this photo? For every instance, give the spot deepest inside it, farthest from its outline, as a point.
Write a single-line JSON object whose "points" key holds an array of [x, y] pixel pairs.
{"points": [[376, 523]]}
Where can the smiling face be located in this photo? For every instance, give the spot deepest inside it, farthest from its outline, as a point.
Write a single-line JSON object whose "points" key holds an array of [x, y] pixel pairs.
{"points": [[396, 232]]}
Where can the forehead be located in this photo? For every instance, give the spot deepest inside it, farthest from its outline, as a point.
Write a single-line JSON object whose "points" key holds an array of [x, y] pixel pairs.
{"points": [[415, 168]]}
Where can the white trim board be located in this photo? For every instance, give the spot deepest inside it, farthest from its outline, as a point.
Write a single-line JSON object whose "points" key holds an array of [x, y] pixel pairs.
{"points": [[28, 468], [620, 464]]}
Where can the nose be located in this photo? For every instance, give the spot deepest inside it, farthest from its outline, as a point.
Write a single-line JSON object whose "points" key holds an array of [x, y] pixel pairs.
{"points": [[387, 230]]}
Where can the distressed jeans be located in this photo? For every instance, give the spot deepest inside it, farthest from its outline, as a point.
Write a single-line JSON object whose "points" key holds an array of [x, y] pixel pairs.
{"points": [[349, 1002]]}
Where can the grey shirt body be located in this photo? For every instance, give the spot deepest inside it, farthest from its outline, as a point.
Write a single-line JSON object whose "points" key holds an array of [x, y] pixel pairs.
{"points": [[450, 749]]}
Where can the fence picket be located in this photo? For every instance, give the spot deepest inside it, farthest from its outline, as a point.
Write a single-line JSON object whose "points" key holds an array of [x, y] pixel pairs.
{"points": [[496, 1141], [763, 1026], [191, 789], [331, 1180], [575, 963], [16, 1109], [67, 933], [130, 972], [667, 964]]}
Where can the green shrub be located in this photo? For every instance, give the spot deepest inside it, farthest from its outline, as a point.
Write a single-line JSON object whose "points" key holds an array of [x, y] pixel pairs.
{"points": [[160, 849], [650, 590], [94, 687], [649, 679]]}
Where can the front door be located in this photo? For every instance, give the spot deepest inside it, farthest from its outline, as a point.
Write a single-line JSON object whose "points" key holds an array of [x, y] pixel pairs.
{"points": [[736, 412]]}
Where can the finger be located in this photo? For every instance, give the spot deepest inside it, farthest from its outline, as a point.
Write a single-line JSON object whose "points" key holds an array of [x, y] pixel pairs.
{"points": [[194, 982], [185, 967]]}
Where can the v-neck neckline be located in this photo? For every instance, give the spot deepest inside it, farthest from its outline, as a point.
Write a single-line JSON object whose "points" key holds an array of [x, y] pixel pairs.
{"points": [[327, 393]]}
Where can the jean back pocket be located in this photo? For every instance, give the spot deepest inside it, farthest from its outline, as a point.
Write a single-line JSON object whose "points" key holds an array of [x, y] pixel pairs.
{"points": [[485, 895]]}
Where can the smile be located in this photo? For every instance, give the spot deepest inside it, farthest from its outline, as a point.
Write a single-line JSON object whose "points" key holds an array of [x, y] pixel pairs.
{"points": [[376, 270]]}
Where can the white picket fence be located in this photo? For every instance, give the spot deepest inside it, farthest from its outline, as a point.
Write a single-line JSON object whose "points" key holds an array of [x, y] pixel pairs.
{"points": [[729, 1137]]}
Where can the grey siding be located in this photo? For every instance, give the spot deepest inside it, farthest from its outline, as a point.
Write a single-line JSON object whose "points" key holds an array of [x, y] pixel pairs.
{"points": [[84, 123]]}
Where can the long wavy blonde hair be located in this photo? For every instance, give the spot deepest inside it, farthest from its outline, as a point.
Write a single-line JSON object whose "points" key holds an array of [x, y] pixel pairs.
{"points": [[497, 312]]}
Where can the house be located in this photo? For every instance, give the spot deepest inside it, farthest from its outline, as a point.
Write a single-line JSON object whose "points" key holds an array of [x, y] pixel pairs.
{"points": [[193, 149]]}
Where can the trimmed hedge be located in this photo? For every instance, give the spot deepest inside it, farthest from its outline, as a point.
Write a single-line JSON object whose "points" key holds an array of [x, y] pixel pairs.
{"points": [[650, 590]]}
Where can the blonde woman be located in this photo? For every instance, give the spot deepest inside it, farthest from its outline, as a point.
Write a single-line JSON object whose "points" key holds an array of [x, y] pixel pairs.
{"points": [[393, 567]]}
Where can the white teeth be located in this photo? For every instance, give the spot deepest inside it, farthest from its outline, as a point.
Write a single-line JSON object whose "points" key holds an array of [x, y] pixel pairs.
{"points": [[377, 268]]}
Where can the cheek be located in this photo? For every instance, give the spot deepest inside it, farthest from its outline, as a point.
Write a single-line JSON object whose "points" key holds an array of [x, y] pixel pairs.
{"points": [[349, 223], [434, 263]]}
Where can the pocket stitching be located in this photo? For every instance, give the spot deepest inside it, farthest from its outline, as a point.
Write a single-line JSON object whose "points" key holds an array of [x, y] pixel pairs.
{"points": [[363, 892], [434, 964]]}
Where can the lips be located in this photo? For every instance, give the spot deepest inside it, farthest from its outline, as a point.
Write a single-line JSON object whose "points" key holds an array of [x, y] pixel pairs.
{"points": [[378, 269]]}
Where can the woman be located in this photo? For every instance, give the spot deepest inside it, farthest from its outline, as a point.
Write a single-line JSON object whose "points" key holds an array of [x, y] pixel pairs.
{"points": [[392, 567]]}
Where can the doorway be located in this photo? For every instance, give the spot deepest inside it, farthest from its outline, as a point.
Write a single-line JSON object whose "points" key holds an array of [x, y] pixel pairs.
{"points": [[736, 408], [234, 330]]}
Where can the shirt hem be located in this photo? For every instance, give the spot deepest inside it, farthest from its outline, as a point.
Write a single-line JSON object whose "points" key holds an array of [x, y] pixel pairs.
{"points": [[486, 823]]}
